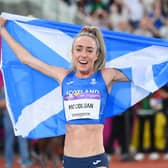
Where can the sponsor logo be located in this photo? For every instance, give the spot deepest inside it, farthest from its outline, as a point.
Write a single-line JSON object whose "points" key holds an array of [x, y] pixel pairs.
{"points": [[70, 82], [96, 162], [93, 81]]}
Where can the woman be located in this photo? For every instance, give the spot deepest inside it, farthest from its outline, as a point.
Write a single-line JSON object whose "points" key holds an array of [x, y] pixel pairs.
{"points": [[85, 90]]}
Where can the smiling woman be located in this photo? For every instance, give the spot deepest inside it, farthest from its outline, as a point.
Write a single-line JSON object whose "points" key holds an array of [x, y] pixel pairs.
{"points": [[85, 90], [96, 43]]}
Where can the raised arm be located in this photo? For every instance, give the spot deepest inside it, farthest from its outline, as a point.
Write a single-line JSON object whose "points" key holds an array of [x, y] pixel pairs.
{"points": [[112, 75], [26, 58]]}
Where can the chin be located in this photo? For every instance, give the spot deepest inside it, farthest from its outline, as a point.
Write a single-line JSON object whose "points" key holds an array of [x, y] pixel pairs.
{"points": [[83, 72], [82, 69]]}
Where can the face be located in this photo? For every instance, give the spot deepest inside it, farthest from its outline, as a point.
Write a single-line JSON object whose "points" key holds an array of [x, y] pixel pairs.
{"points": [[84, 53]]}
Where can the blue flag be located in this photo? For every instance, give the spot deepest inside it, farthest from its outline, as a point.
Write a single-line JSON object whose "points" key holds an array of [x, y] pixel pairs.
{"points": [[34, 100]]}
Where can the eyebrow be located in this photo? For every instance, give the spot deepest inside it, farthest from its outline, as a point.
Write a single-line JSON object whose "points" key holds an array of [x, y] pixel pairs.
{"points": [[89, 47]]}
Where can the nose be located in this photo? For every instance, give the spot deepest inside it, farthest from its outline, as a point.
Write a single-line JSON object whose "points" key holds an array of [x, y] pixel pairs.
{"points": [[84, 53]]}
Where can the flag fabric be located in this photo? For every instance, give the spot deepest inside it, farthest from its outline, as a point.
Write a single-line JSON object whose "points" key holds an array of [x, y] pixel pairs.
{"points": [[1, 80], [34, 100]]}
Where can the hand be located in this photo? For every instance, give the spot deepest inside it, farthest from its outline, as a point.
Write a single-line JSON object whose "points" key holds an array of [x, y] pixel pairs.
{"points": [[2, 21]]}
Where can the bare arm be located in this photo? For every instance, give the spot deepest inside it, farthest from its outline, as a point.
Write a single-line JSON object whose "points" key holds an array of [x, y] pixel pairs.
{"points": [[26, 58], [2, 104], [112, 75]]}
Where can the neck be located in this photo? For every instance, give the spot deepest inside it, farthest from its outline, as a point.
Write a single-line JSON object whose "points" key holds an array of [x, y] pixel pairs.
{"points": [[84, 74]]}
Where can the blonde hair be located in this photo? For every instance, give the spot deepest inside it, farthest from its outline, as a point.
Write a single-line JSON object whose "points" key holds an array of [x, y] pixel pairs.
{"points": [[95, 33]]}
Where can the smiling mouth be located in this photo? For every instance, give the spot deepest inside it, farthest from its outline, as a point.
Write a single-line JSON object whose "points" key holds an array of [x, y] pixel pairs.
{"points": [[83, 62]]}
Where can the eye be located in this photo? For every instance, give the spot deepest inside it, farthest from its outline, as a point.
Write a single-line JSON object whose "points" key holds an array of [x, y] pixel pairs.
{"points": [[90, 51], [78, 49]]}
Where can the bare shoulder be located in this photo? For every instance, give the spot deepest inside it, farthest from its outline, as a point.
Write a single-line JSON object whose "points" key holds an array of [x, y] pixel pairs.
{"points": [[113, 75], [58, 73], [108, 70], [108, 73], [108, 76]]}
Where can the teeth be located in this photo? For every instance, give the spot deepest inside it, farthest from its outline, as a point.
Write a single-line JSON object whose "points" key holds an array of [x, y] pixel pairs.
{"points": [[83, 61]]}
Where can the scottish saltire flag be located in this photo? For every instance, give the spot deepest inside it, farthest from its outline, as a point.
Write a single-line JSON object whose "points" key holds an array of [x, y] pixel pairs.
{"points": [[35, 101]]}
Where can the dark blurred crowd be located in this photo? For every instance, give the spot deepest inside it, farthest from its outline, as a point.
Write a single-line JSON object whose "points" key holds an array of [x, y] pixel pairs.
{"points": [[142, 17], [148, 122]]}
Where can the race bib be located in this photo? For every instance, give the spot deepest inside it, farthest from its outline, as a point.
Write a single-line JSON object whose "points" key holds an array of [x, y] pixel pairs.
{"points": [[83, 105]]}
